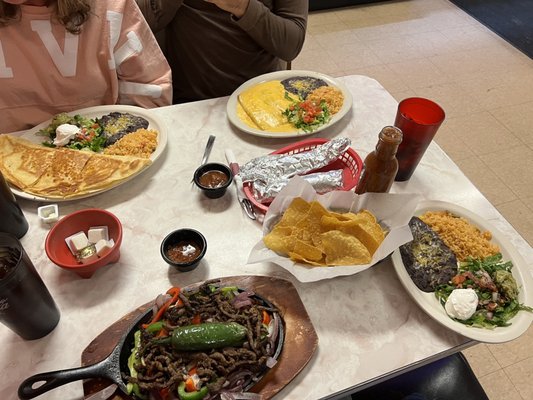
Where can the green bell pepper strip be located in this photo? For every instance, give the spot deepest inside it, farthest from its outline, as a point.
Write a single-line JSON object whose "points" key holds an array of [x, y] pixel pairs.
{"points": [[137, 392], [155, 327], [196, 395], [132, 360], [228, 291]]}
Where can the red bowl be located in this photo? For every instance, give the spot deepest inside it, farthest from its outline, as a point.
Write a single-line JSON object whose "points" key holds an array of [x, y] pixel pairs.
{"points": [[58, 251]]}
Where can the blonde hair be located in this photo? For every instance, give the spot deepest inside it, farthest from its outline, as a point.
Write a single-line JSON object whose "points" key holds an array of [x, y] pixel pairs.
{"points": [[72, 14]]}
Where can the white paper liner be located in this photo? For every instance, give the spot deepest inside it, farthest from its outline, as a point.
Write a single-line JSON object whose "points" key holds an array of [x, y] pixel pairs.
{"points": [[393, 212]]}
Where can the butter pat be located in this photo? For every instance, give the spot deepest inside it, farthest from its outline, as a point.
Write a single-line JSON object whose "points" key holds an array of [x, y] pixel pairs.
{"points": [[97, 233], [77, 242], [103, 246]]}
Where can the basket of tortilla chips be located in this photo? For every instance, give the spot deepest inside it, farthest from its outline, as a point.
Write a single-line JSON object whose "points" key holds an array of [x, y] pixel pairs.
{"points": [[340, 233]]}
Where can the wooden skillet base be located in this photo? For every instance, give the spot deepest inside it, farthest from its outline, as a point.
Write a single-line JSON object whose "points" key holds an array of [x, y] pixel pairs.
{"points": [[301, 339]]}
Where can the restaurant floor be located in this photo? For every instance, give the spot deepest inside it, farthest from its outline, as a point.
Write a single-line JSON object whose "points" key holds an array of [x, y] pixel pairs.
{"points": [[431, 48]]}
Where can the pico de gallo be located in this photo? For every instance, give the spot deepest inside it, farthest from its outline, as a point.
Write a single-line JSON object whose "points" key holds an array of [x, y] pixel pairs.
{"points": [[307, 115]]}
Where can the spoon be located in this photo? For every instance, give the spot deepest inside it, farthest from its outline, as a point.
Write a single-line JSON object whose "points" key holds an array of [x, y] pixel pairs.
{"points": [[207, 150]]}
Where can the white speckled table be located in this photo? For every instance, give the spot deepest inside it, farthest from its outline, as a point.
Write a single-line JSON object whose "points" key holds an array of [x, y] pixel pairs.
{"points": [[368, 326]]}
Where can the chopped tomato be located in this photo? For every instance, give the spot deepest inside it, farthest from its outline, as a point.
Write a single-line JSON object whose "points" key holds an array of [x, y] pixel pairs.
{"points": [[458, 279], [196, 320]]}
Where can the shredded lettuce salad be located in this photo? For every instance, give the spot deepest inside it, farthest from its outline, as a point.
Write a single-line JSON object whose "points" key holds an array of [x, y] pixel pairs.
{"points": [[495, 286], [90, 136]]}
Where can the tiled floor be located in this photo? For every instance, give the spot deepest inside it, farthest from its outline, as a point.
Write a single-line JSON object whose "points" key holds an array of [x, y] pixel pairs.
{"points": [[431, 48]]}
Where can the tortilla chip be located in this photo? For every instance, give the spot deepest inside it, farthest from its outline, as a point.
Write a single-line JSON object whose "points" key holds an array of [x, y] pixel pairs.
{"points": [[307, 251], [280, 239], [344, 249]]}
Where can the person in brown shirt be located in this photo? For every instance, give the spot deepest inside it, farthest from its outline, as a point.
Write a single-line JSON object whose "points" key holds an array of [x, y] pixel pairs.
{"points": [[213, 46]]}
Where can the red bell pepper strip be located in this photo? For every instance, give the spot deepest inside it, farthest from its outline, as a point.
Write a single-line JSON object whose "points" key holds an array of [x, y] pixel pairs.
{"points": [[174, 291], [163, 393], [266, 318], [162, 333], [190, 386]]}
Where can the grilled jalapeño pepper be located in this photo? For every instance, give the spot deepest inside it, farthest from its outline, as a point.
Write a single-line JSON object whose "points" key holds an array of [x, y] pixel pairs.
{"points": [[213, 335]]}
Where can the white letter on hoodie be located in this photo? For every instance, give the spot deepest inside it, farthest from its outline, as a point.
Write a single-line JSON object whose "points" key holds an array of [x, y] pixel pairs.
{"points": [[5, 71], [66, 60]]}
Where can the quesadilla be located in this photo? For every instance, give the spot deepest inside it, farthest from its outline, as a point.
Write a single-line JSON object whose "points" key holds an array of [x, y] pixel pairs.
{"points": [[21, 161], [62, 173]]}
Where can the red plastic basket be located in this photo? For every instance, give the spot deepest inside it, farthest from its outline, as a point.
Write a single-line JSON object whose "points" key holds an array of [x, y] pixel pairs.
{"points": [[349, 162]]}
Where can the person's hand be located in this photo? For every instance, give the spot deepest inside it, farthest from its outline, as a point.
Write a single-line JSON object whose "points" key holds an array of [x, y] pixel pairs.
{"points": [[235, 7]]}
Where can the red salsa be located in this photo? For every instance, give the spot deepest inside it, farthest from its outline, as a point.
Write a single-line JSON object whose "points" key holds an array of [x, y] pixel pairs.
{"points": [[213, 179], [183, 252]]}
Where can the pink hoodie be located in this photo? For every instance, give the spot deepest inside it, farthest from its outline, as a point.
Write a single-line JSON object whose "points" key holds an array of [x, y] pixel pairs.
{"points": [[45, 70]]}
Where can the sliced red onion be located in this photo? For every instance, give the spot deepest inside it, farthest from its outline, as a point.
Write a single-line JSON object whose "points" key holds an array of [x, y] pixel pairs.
{"points": [[273, 329], [490, 315], [270, 362], [240, 396], [247, 396], [243, 295], [242, 303], [242, 299], [162, 299], [236, 380]]}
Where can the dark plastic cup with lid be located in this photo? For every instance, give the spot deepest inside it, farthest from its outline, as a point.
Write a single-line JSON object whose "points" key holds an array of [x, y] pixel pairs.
{"points": [[213, 179], [12, 220], [26, 306]]}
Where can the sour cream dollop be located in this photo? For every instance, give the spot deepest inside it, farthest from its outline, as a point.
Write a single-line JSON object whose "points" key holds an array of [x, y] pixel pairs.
{"points": [[461, 303], [64, 133]]}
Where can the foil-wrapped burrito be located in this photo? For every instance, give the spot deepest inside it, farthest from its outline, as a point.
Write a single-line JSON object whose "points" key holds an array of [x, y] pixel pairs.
{"points": [[269, 174], [274, 167], [322, 182]]}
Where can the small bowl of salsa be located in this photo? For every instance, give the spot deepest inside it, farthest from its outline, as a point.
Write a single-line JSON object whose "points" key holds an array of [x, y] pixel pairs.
{"points": [[213, 179], [183, 249]]}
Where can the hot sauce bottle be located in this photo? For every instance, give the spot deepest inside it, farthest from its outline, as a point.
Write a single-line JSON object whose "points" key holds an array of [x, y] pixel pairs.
{"points": [[381, 165]]}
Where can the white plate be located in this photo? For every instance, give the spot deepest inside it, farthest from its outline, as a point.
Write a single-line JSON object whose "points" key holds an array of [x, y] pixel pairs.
{"points": [[93, 112], [231, 107], [431, 305]]}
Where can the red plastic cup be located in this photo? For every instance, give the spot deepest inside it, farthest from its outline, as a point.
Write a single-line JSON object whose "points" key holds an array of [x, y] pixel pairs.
{"points": [[419, 119]]}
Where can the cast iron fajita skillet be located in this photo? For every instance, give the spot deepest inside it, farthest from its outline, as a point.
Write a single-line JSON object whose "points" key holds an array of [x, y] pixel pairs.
{"points": [[116, 363]]}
